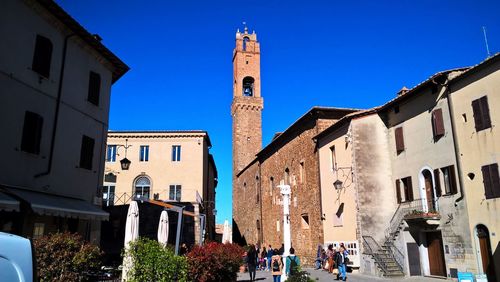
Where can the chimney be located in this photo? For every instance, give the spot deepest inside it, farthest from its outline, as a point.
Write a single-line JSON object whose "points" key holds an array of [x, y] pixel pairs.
{"points": [[403, 91]]}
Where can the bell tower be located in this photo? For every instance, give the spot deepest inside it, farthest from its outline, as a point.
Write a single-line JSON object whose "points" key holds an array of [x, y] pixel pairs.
{"points": [[246, 109]]}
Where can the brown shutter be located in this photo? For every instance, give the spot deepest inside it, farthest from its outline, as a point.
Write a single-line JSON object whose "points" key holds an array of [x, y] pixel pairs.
{"points": [[495, 180], [437, 123], [437, 183], [398, 191], [485, 112], [400, 143], [488, 191], [476, 109], [410, 189], [453, 182]]}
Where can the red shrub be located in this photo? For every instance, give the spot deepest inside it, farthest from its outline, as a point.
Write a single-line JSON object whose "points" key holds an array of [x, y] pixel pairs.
{"points": [[215, 262]]}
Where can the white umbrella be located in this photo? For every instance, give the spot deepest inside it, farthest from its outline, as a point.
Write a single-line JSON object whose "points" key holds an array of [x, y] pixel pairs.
{"points": [[226, 237], [131, 234], [163, 228]]}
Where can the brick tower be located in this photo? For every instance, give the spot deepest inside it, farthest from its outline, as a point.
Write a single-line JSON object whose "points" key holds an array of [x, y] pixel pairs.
{"points": [[246, 111], [247, 105]]}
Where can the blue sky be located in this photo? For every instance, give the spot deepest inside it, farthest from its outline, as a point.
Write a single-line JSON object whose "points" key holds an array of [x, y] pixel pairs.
{"points": [[313, 53]]}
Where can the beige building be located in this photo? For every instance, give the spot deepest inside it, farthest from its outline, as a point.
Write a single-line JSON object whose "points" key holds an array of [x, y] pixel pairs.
{"points": [[170, 166], [475, 104], [55, 80]]}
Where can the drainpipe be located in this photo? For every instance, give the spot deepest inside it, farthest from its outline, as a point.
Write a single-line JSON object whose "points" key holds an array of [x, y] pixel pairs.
{"points": [[58, 104], [455, 144]]}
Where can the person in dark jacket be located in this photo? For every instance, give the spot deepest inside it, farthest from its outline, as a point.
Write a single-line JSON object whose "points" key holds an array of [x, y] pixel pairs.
{"points": [[252, 261], [340, 261]]}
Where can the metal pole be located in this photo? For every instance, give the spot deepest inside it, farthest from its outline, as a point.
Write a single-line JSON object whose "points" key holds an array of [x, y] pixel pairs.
{"points": [[179, 226], [285, 192], [202, 228]]}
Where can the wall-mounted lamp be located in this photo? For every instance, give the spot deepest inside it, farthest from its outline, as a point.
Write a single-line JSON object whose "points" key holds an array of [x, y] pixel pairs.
{"points": [[125, 163], [338, 184], [346, 171]]}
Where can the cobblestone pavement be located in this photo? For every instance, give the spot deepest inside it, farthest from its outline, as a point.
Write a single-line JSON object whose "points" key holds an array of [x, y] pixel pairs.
{"points": [[320, 275]]}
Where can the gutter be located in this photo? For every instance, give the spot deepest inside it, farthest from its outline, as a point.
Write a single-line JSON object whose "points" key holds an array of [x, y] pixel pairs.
{"points": [[58, 104]]}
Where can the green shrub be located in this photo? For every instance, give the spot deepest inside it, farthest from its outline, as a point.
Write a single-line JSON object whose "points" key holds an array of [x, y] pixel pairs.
{"points": [[215, 262], [65, 257], [153, 262], [300, 276]]}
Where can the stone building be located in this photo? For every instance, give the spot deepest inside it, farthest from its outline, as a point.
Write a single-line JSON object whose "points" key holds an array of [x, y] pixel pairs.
{"points": [[55, 80], [171, 166]]}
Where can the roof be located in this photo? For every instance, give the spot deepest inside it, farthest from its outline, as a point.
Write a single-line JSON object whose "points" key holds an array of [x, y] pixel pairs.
{"points": [[120, 67], [345, 120], [474, 69], [180, 133]]}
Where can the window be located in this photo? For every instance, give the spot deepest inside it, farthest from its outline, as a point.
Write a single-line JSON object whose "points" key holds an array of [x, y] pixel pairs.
{"points": [[258, 224], [400, 142], [302, 172], [491, 181], [142, 187], [337, 217], [481, 113], [175, 193], [108, 195], [404, 189], [111, 153], [144, 153], [245, 41], [271, 185], [305, 221], [248, 86], [450, 185], [278, 225], [42, 56], [176, 153], [38, 230], [32, 133], [87, 152], [437, 123], [333, 157], [437, 183], [287, 176], [94, 88]]}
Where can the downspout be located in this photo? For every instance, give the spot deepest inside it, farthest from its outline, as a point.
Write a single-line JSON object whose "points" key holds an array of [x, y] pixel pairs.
{"points": [[58, 104], [455, 144], [261, 235]]}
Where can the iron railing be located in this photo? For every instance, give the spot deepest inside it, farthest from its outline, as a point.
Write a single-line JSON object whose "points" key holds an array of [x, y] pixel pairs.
{"points": [[373, 247]]}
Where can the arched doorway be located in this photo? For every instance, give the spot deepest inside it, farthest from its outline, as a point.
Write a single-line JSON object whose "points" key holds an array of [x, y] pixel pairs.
{"points": [[429, 191], [485, 256]]}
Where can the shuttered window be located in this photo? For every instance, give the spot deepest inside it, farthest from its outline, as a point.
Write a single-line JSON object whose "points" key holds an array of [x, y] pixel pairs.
{"points": [[481, 113], [94, 88], [42, 56], [87, 152], [491, 181], [398, 191], [400, 143], [32, 133], [408, 187], [437, 183], [437, 123], [449, 180]]}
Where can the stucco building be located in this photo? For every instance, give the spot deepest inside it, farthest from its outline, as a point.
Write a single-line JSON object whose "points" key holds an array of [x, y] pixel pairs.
{"points": [[170, 166], [55, 80]]}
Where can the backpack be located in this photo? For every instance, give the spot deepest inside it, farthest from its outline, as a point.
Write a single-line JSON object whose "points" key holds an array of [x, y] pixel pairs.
{"points": [[276, 265], [293, 265]]}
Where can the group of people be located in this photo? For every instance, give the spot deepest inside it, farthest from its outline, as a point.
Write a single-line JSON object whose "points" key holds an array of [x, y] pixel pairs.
{"points": [[333, 260], [271, 260]]}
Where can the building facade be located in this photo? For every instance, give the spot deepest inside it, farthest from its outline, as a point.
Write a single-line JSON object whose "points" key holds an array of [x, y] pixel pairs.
{"points": [[169, 166], [55, 79]]}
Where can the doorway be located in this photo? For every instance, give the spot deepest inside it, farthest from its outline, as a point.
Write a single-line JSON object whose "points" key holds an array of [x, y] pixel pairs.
{"points": [[484, 252], [437, 265], [429, 190]]}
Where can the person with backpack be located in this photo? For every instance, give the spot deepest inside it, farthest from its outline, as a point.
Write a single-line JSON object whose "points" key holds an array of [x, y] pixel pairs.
{"points": [[292, 263], [276, 266]]}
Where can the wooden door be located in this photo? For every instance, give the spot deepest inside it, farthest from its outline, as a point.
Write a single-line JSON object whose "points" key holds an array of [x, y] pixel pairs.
{"points": [[436, 255], [413, 259], [485, 252], [429, 191]]}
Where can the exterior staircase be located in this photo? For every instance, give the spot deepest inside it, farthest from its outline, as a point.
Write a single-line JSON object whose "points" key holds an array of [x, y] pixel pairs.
{"points": [[384, 257]]}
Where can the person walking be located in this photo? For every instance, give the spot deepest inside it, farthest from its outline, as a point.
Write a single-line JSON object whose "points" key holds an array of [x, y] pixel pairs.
{"points": [[270, 254], [292, 263], [276, 265], [262, 259], [251, 261], [341, 260], [330, 254]]}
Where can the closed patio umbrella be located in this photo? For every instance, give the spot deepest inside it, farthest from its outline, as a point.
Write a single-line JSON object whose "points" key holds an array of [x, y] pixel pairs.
{"points": [[226, 237], [163, 228], [131, 234]]}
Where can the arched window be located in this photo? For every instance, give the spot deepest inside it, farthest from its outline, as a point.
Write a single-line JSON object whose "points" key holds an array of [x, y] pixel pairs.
{"points": [[142, 187], [248, 86], [245, 40]]}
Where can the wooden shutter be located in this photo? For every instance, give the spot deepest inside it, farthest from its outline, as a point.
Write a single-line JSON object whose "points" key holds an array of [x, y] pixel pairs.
{"points": [[437, 123], [94, 88], [410, 188], [400, 143], [32, 133], [87, 152], [398, 191], [495, 180], [488, 191], [42, 56], [437, 183], [453, 182], [485, 112], [476, 109]]}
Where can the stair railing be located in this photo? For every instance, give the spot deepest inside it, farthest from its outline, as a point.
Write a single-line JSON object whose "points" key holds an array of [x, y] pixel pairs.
{"points": [[372, 248]]}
